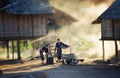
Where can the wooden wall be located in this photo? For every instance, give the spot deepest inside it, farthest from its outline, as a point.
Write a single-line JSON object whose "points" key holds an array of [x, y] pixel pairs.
{"points": [[107, 30], [22, 26], [117, 29], [110, 29]]}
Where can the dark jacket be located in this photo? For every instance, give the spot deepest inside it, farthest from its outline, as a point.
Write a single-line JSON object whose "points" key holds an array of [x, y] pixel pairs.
{"points": [[59, 45], [44, 49]]}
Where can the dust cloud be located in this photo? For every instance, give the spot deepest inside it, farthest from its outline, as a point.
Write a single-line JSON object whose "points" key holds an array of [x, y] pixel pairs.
{"points": [[82, 36]]}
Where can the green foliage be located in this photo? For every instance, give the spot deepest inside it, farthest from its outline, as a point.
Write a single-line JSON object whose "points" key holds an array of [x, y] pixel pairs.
{"points": [[25, 47], [1, 51], [22, 46]]}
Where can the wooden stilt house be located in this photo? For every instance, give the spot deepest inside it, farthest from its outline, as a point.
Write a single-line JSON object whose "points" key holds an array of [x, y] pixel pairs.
{"points": [[23, 19], [110, 25]]}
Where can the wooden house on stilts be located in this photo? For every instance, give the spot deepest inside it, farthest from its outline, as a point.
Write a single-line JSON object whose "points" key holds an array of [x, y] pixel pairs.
{"points": [[23, 19], [110, 25]]}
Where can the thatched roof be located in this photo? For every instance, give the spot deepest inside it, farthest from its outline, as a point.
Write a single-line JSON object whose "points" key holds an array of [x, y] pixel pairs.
{"points": [[113, 12], [27, 7], [61, 18]]}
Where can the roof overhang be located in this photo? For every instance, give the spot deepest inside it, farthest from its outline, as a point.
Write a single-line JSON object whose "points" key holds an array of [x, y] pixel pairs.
{"points": [[27, 7]]}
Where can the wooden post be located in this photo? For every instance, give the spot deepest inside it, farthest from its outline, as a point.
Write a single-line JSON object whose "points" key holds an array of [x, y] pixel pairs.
{"points": [[8, 50], [18, 48], [116, 46], [103, 50], [32, 55], [116, 51], [13, 49]]}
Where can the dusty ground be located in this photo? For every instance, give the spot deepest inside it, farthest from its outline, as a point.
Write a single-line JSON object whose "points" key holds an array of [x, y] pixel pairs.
{"points": [[17, 64], [58, 70]]}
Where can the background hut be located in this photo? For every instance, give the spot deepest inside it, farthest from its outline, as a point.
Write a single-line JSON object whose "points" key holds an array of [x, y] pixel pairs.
{"points": [[110, 25], [23, 19], [59, 19]]}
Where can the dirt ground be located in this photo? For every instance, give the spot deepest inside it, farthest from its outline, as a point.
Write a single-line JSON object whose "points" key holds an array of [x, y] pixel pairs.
{"points": [[10, 64], [58, 70]]}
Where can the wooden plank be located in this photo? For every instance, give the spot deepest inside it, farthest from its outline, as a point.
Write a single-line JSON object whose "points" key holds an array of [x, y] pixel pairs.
{"points": [[117, 28], [28, 30], [44, 25], [22, 26], [14, 26], [40, 25], [107, 29], [25, 26], [1, 25], [10, 26], [36, 26]]}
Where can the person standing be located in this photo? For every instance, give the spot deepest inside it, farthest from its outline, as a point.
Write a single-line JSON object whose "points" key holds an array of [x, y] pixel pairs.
{"points": [[58, 48], [43, 49]]}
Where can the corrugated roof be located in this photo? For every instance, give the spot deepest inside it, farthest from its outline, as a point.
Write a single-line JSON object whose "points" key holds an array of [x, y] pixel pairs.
{"points": [[113, 12], [28, 7]]}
